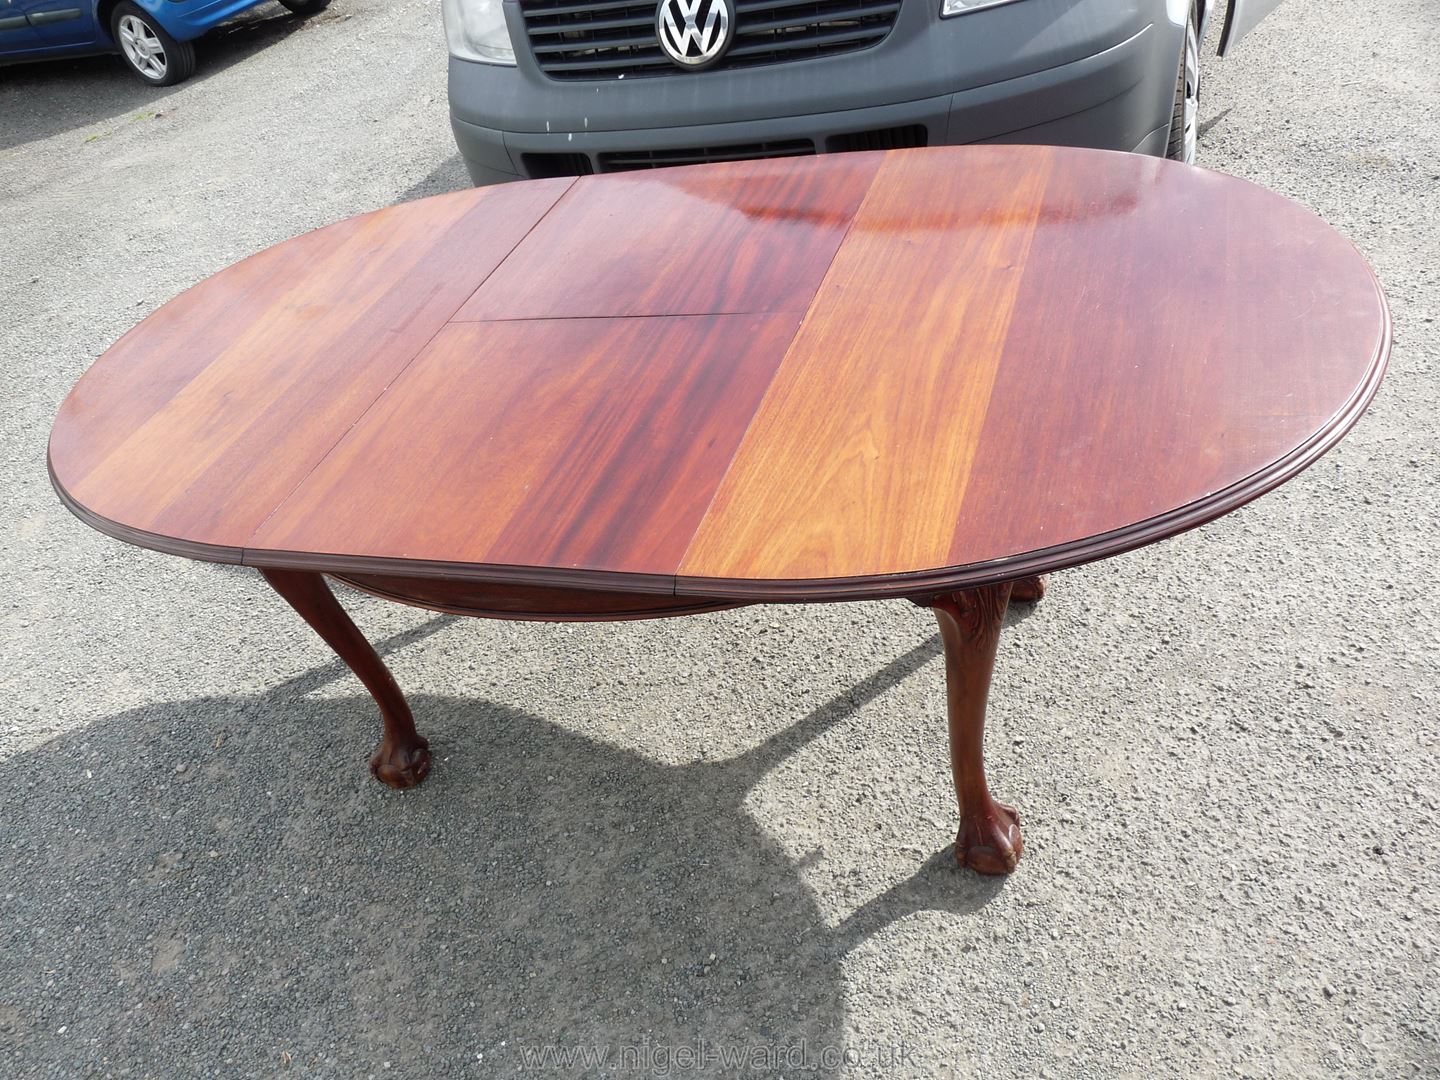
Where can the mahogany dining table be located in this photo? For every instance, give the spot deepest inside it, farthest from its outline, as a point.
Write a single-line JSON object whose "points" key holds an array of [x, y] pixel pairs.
{"points": [[934, 374]]}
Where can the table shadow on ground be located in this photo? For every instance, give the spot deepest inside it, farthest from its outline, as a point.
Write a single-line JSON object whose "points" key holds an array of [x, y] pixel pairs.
{"points": [[540, 889]]}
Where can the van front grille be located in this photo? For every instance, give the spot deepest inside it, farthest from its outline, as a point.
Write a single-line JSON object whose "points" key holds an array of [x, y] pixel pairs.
{"points": [[615, 39], [659, 159]]}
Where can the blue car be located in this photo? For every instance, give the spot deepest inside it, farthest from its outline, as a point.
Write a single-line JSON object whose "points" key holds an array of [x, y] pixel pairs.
{"points": [[154, 37]]}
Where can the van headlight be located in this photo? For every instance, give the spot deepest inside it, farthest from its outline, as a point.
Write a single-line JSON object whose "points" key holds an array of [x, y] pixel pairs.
{"points": [[476, 30]]}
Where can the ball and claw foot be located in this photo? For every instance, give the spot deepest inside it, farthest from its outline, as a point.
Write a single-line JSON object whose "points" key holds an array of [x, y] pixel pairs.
{"points": [[1030, 590], [990, 843], [401, 765]]}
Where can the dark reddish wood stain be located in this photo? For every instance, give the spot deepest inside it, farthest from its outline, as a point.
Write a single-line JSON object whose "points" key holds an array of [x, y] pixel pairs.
{"points": [[1029, 590], [200, 430], [979, 364], [1237, 334], [988, 840], [402, 759], [924, 373], [157, 358], [865, 441], [534, 455], [738, 237]]}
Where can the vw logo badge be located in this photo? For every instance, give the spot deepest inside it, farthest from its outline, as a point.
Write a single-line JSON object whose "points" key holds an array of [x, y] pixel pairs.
{"points": [[694, 33]]}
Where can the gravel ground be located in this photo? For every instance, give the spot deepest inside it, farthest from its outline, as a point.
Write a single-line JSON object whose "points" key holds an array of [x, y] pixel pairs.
{"points": [[730, 830]]}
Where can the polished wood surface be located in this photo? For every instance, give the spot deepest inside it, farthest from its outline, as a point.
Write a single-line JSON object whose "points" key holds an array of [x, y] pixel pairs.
{"points": [[533, 455], [747, 238], [988, 840], [202, 418], [402, 759], [1029, 590], [929, 373], [832, 378], [899, 351]]}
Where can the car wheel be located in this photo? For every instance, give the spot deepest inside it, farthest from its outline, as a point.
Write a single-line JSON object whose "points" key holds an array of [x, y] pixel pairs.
{"points": [[305, 7], [1185, 123], [151, 53]]}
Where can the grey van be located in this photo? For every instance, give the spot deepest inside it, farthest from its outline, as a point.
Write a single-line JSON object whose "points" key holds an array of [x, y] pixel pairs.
{"points": [[570, 87]]}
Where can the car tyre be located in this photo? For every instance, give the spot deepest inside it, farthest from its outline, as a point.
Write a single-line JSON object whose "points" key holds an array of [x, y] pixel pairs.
{"points": [[305, 7], [147, 49], [1185, 122]]}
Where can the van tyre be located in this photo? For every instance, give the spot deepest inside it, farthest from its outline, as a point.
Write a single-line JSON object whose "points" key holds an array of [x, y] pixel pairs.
{"points": [[1185, 121]]}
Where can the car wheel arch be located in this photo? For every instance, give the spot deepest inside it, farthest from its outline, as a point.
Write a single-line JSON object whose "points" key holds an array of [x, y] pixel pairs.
{"points": [[105, 12]]}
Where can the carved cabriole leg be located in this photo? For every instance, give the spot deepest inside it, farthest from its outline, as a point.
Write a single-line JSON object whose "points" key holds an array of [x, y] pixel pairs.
{"points": [[1028, 590], [988, 840], [402, 759]]}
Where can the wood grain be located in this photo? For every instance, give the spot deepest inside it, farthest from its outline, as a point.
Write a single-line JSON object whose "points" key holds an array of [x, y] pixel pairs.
{"points": [[852, 376], [577, 443], [1235, 337], [869, 474], [198, 427], [988, 840], [402, 759], [752, 236]]}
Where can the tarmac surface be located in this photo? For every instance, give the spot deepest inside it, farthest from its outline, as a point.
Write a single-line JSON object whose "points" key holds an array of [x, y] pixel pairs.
{"points": [[671, 848]]}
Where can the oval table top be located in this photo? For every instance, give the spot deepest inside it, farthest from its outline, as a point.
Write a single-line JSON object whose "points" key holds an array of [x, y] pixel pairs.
{"points": [[838, 377]]}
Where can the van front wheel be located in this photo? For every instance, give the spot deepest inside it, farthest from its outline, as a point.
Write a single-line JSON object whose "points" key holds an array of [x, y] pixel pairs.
{"points": [[1185, 124]]}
